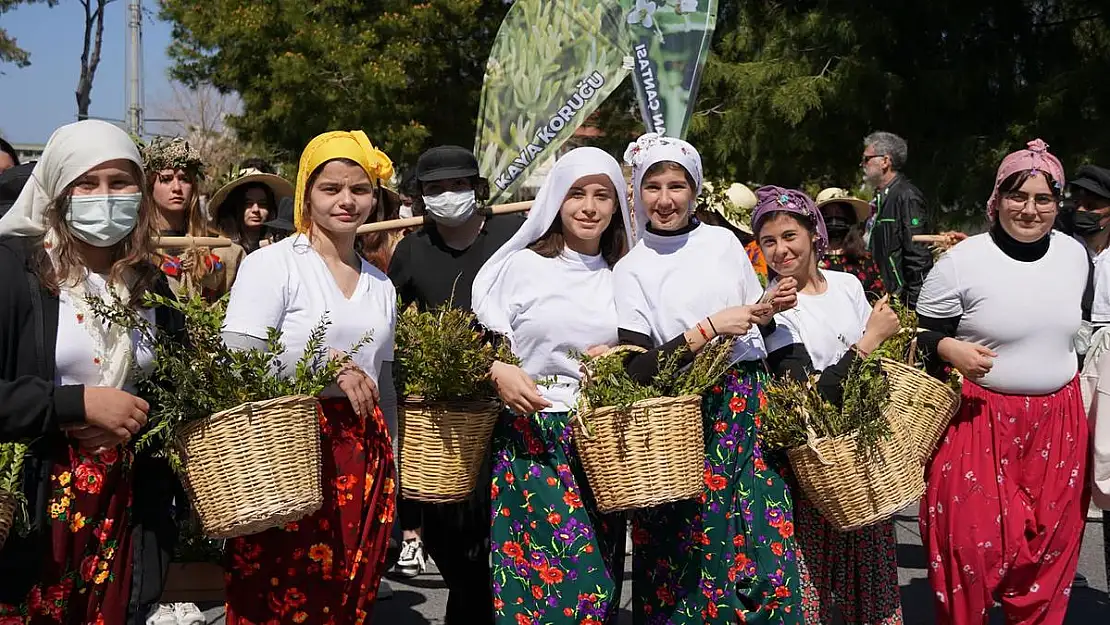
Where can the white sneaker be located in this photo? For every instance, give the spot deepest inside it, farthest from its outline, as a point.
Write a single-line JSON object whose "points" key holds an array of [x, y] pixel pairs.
{"points": [[162, 614], [412, 562], [189, 614], [385, 591]]}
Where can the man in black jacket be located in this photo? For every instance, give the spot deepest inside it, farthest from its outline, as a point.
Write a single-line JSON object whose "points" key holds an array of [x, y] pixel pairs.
{"points": [[899, 214]]}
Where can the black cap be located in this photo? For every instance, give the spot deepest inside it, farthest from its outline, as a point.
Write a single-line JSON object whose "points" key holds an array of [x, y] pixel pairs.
{"points": [[12, 181], [1094, 180], [444, 162], [283, 220]]}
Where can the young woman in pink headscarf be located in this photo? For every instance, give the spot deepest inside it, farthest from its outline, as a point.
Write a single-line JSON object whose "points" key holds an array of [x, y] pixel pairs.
{"points": [[1006, 501]]}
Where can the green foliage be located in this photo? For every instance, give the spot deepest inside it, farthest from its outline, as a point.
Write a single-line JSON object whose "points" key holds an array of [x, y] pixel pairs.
{"points": [[606, 383], [11, 480], [898, 347], [203, 376], [442, 355], [10, 52]]}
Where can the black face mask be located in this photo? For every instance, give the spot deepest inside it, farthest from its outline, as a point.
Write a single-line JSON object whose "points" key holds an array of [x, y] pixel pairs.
{"points": [[837, 227], [1087, 222]]}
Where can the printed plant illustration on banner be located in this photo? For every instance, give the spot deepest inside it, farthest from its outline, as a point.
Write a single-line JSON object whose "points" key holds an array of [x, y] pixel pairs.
{"points": [[670, 42], [552, 64]]}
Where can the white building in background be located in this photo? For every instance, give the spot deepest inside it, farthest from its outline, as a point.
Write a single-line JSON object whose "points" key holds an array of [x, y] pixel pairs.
{"points": [[28, 152]]}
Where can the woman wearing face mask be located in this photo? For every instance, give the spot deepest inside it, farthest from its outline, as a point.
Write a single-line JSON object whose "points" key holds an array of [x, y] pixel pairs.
{"points": [[174, 170], [326, 566], [549, 292], [845, 217], [730, 553], [1006, 495], [832, 323], [81, 229], [242, 207]]}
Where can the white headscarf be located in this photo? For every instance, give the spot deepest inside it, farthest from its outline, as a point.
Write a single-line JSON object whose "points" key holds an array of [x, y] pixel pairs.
{"points": [[489, 301], [71, 151], [653, 148]]}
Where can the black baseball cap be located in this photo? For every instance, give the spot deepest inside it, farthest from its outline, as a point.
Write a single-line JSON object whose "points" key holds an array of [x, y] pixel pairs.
{"points": [[445, 162], [1094, 180]]}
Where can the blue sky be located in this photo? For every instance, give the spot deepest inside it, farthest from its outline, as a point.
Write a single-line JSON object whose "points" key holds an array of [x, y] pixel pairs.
{"points": [[40, 97]]}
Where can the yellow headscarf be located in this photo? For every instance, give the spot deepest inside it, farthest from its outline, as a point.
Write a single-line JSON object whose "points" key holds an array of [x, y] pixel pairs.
{"points": [[354, 145]]}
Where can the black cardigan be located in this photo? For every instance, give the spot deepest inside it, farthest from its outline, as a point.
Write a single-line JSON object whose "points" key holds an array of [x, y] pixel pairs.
{"points": [[33, 408]]}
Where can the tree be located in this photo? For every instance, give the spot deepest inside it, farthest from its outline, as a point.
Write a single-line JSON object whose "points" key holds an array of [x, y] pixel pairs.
{"points": [[407, 73], [90, 53], [10, 52]]}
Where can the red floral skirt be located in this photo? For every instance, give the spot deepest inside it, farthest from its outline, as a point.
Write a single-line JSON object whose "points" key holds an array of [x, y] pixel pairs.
{"points": [[87, 575], [324, 568]]}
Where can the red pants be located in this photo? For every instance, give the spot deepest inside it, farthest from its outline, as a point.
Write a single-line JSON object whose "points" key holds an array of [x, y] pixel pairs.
{"points": [[1005, 506]]}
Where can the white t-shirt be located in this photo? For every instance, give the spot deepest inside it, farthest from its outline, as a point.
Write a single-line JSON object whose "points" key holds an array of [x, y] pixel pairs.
{"points": [[1100, 307], [667, 284], [1026, 312], [826, 324], [556, 306], [74, 354], [288, 286]]}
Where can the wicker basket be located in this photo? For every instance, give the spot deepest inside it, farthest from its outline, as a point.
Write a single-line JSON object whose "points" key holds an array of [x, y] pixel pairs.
{"points": [[443, 447], [925, 404], [650, 454], [851, 493], [8, 505], [253, 467]]}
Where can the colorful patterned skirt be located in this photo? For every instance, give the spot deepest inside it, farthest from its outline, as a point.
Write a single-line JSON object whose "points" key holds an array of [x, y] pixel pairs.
{"points": [[326, 567], [729, 555], [87, 576], [1005, 506], [556, 559]]}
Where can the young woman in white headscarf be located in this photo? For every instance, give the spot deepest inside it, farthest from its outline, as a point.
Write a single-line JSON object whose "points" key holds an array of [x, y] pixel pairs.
{"points": [[81, 227], [729, 554], [856, 571], [549, 292]]}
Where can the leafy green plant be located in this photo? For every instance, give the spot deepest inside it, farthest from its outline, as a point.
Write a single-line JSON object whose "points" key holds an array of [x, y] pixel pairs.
{"points": [[200, 376], [442, 354], [11, 481]]}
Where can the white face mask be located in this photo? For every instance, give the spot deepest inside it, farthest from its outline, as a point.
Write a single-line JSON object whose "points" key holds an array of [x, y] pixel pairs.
{"points": [[103, 220], [406, 211], [451, 208]]}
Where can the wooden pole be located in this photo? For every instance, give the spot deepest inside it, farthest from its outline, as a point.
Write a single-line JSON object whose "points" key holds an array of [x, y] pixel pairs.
{"points": [[164, 242], [417, 222]]}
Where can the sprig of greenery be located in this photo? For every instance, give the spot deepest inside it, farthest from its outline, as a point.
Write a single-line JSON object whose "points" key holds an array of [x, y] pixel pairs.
{"points": [[897, 347], [11, 481], [201, 376]]}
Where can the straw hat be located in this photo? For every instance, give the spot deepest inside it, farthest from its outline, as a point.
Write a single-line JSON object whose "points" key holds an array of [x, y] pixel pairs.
{"points": [[279, 186], [737, 211], [836, 195]]}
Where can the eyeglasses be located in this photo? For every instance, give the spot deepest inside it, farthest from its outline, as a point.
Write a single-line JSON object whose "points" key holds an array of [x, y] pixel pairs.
{"points": [[867, 158], [1018, 200]]}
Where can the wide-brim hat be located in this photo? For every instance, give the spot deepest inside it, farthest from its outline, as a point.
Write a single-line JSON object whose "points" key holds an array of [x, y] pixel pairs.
{"points": [[742, 200], [836, 195], [280, 187]]}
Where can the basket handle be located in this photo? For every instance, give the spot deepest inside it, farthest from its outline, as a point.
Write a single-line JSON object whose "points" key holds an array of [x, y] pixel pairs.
{"points": [[911, 358], [811, 439]]}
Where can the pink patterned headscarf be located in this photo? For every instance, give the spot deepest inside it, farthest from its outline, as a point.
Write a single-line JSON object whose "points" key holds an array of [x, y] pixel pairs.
{"points": [[1035, 158]]}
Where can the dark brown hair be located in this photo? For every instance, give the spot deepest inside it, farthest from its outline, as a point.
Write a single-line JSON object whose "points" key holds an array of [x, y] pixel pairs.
{"points": [[1014, 181], [131, 257], [614, 244], [663, 166]]}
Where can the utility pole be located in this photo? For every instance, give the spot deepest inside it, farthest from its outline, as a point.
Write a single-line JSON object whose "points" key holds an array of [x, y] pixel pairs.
{"points": [[135, 67]]}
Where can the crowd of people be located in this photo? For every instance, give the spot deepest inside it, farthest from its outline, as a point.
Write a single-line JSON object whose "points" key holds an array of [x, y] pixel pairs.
{"points": [[805, 285]]}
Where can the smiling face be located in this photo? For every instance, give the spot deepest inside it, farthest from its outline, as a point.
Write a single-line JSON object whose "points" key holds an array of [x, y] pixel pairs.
{"points": [[256, 207], [787, 244], [1028, 212], [173, 190], [341, 198], [668, 196], [588, 210]]}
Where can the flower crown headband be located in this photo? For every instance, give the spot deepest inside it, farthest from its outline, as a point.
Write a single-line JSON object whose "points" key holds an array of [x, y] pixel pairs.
{"points": [[176, 153]]}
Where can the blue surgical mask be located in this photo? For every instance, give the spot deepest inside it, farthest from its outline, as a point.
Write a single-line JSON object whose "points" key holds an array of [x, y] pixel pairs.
{"points": [[103, 220]]}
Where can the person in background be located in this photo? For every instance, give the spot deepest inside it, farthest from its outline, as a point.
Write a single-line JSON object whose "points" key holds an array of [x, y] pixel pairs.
{"points": [[241, 208], [377, 247], [409, 194], [845, 217], [1006, 491], [8, 156], [899, 214], [731, 216], [1090, 190], [432, 267], [326, 567], [174, 170], [12, 182], [97, 510], [280, 224]]}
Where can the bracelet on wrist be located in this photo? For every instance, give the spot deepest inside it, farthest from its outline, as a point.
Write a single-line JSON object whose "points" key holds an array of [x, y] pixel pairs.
{"points": [[712, 327], [704, 334]]}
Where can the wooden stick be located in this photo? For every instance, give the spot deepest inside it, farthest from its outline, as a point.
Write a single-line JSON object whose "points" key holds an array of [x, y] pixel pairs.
{"points": [[931, 238], [417, 222], [164, 242]]}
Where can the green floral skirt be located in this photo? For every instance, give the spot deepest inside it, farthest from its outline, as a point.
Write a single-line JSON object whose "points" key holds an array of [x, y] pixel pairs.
{"points": [[555, 558], [729, 555]]}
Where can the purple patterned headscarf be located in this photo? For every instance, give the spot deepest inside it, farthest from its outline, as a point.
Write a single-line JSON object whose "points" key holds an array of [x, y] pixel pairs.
{"points": [[779, 200]]}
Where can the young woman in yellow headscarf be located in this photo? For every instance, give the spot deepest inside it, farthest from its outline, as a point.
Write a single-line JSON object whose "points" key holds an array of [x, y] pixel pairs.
{"points": [[324, 568]]}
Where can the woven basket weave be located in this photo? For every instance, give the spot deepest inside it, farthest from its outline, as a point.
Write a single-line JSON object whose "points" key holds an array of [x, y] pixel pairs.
{"points": [[8, 504], [925, 404], [253, 467], [443, 446], [852, 493], [650, 454]]}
